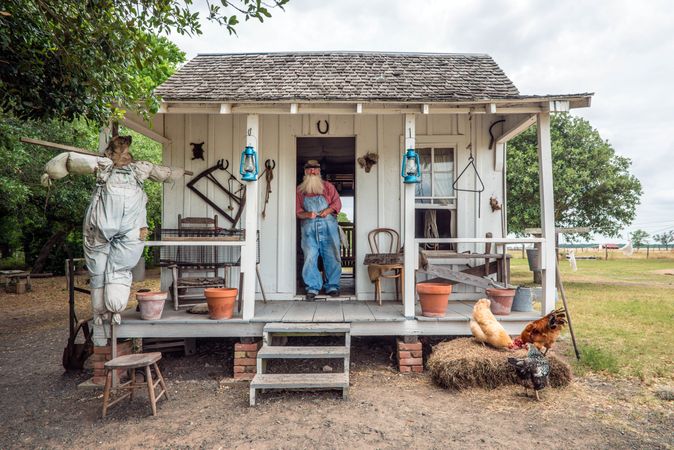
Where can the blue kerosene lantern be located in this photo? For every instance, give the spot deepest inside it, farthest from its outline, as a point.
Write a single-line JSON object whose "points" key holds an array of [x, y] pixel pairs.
{"points": [[249, 168], [410, 169]]}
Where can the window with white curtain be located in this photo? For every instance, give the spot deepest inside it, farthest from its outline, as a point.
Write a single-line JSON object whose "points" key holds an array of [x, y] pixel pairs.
{"points": [[437, 176]]}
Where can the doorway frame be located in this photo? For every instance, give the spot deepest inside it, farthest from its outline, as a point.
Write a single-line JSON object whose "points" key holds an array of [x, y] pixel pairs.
{"points": [[295, 244]]}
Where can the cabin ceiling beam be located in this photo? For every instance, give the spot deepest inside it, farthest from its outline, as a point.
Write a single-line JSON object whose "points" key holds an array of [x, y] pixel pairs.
{"points": [[225, 108], [516, 129], [364, 108], [145, 131]]}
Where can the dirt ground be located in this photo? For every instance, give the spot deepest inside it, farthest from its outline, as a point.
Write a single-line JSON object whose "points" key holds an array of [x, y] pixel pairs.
{"points": [[41, 406]]}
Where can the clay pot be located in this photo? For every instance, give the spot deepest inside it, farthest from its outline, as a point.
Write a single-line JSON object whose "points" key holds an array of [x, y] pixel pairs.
{"points": [[433, 298], [151, 304], [220, 302], [501, 301]]}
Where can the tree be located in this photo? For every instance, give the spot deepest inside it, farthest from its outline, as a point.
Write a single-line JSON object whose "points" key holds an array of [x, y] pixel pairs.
{"points": [[592, 185], [46, 224], [665, 238], [67, 59], [639, 238]]}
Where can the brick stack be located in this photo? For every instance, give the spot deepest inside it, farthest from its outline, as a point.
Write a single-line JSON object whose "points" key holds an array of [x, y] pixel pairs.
{"points": [[245, 360], [103, 354], [410, 357]]}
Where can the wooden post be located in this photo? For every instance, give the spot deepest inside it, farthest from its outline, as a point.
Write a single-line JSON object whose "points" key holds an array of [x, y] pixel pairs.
{"points": [[409, 297], [548, 260], [249, 249]]}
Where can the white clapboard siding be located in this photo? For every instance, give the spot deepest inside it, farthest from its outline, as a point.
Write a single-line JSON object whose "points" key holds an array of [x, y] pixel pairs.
{"points": [[366, 202], [377, 203]]}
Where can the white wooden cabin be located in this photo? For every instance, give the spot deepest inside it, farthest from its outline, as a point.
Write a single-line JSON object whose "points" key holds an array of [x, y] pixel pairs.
{"points": [[336, 107]]}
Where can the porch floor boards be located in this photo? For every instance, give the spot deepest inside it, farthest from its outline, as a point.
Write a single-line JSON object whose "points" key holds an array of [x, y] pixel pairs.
{"points": [[332, 312]]}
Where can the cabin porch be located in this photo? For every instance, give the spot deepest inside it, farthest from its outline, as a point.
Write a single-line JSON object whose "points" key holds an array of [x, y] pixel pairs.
{"points": [[367, 318]]}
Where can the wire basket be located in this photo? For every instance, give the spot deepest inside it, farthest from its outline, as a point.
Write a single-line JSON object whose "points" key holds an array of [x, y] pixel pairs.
{"points": [[202, 256]]}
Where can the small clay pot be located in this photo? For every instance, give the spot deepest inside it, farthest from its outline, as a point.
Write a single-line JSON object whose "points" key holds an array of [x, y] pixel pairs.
{"points": [[151, 304], [434, 298], [501, 301], [220, 302]]}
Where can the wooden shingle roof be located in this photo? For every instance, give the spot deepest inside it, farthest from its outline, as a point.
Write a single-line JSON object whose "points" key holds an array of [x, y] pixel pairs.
{"points": [[338, 76]]}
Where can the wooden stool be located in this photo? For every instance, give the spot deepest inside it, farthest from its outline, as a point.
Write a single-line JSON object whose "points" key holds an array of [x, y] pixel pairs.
{"points": [[131, 363]]}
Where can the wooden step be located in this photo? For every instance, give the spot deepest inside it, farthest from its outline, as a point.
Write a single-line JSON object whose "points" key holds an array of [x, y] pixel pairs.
{"points": [[280, 327], [300, 380], [278, 352]]}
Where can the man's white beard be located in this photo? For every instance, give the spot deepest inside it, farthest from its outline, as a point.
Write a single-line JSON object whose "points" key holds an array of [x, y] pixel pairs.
{"points": [[312, 184]]}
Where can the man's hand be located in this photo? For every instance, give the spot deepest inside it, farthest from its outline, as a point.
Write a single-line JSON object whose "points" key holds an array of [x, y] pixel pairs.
{"points": [[307, 215], [326, 212]]}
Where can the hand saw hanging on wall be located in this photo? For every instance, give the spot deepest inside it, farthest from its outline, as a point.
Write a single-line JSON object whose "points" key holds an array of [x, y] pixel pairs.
{"points": [[236, 195]]}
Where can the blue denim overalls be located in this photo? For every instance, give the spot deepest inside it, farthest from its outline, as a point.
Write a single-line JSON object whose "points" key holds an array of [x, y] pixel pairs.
{"points": [[320, 236]]}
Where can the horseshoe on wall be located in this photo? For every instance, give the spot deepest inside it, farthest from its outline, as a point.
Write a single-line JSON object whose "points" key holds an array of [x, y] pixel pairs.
{"points": [[327, 127]]}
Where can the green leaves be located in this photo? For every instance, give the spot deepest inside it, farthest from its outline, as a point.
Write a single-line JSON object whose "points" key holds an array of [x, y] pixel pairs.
{"points": [[76, 59], [592, 185]]}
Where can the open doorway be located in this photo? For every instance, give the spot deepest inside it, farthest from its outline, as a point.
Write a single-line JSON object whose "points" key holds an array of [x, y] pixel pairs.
{"points": [[337, 156]]}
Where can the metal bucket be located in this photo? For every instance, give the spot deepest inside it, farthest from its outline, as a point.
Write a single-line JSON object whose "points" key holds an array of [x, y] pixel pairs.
{"points": [[533, 259]]}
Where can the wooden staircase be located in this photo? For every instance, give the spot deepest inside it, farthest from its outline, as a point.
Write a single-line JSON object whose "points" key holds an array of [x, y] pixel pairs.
{"points": [[263, 380]]}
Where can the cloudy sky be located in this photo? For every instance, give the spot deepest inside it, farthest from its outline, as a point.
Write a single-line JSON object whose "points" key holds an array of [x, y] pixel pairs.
{"points": [[621, 50]]}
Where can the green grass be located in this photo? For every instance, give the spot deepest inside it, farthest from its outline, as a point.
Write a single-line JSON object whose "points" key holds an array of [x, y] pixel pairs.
{"points": [[622, 312]]}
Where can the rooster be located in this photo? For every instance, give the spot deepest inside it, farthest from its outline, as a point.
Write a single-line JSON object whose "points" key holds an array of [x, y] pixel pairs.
{"points": [[543, 332], [532, 371], [486, 328]]}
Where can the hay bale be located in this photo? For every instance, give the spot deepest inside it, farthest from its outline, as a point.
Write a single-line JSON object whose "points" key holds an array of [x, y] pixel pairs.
{"points": [[464, 363]]}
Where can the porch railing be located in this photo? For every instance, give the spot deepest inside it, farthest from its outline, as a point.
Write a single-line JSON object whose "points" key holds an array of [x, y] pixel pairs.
{"points": [[540, 243]]}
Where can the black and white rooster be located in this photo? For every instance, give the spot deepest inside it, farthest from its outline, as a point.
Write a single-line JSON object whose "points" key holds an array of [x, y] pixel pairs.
{"points": [[533, 370]]}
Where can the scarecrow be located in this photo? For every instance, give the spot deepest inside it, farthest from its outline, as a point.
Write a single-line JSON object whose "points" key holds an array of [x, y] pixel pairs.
{"points": [[115, 224]]}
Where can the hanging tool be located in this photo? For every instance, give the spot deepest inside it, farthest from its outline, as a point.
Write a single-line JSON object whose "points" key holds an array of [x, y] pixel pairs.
{"points": [[237, 196], [492, 140], [269, 166], [471, 162]]}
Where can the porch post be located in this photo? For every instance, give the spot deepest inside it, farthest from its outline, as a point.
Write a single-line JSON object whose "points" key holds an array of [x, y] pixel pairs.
{"points": [[249, 249], [547, 211], [409, 296]]}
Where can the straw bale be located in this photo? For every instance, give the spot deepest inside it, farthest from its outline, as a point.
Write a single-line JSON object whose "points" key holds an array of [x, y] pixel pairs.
{"points": [[464, 363]]}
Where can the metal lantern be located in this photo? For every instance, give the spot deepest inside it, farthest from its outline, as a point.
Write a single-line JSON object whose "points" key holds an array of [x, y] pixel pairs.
{"points": [[249, 167], [410, 169]]}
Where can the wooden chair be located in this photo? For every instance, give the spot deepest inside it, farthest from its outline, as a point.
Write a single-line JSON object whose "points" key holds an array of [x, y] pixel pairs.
{"points": [[131, 363], [388, 265], [196, 267]]}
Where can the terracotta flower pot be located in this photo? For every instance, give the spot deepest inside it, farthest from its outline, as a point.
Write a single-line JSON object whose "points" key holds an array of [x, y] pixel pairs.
{"points": [[501, 301], [220, 302], [151, 304], [433, 298]]}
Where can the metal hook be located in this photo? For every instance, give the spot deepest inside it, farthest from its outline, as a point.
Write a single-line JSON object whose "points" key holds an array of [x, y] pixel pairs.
{"points": [[223, 164]]}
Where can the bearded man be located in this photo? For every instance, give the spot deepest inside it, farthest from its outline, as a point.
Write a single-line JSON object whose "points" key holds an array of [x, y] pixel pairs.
{"points": [[317, 204]]}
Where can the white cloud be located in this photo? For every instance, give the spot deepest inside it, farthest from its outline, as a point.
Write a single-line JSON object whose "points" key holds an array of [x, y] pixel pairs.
{"points": [[621, 50]]}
